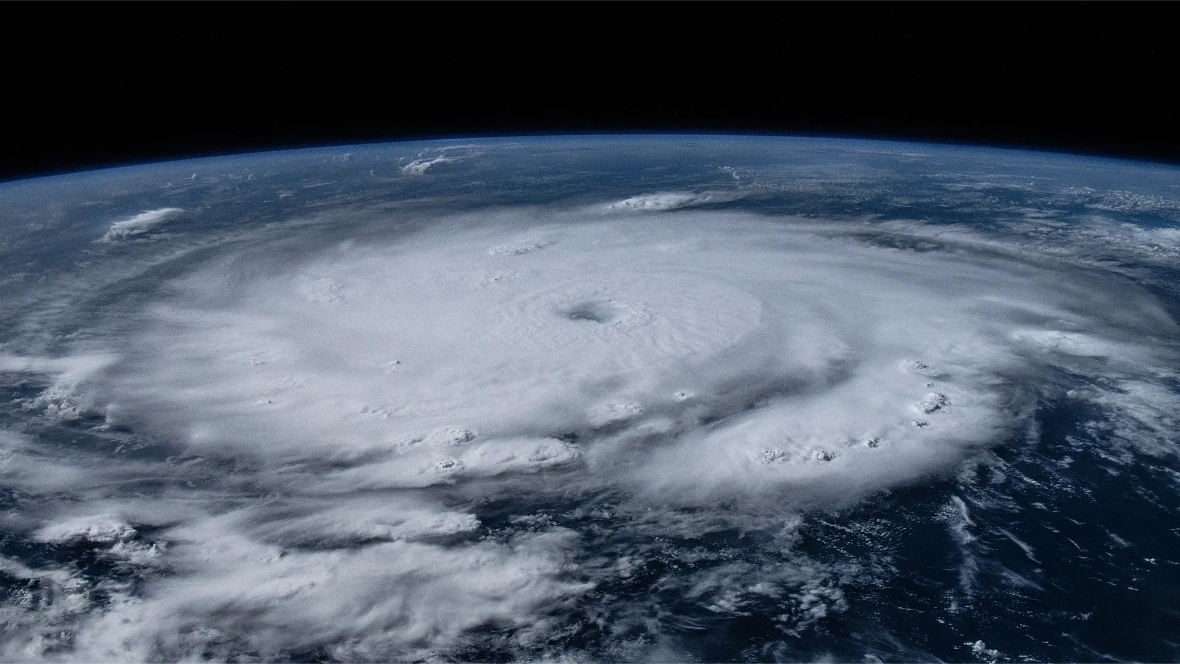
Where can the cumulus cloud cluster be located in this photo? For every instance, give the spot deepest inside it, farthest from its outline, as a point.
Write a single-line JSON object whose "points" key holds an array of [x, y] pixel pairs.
{"points": [[341, 422], [447, 155], [671, 200], [139, 224]]}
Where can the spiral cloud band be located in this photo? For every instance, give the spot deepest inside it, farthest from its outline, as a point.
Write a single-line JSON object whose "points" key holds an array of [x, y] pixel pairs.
{"points": [[710, 352]]}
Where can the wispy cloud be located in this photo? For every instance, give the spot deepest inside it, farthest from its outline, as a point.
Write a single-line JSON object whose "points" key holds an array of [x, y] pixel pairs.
{"points": [[419, 166], [139, 224], [446, 155], [671, 200]]}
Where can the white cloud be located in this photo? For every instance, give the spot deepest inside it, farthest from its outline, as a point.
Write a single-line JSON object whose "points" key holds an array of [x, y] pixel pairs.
{"points": [[389, 600], [333, 425], [445, 155], [671, 200], [62, 398], [139, 224], [419, 166], [98, 528]]}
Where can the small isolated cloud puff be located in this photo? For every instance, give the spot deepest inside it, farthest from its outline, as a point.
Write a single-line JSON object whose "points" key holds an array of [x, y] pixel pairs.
{"points": [[446, 155], [139, 224], [672, 200], [419, 166]]}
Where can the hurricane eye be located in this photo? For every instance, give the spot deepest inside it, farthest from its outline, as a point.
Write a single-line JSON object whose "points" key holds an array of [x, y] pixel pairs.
{"points": [[592, 312]]}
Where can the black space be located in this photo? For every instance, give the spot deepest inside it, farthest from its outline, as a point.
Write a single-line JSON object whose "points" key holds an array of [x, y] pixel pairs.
{"points": [[88, 85]]}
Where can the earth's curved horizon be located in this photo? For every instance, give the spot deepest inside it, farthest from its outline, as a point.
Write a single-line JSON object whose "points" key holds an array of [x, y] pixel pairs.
{"points": [[613, 398]]}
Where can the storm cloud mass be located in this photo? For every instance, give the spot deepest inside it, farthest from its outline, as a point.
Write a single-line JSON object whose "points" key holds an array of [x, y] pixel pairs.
{"points": [[583, 427]]}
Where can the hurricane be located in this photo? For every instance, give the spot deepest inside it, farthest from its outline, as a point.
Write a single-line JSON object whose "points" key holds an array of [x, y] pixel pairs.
{"points": [[624, 399]]}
